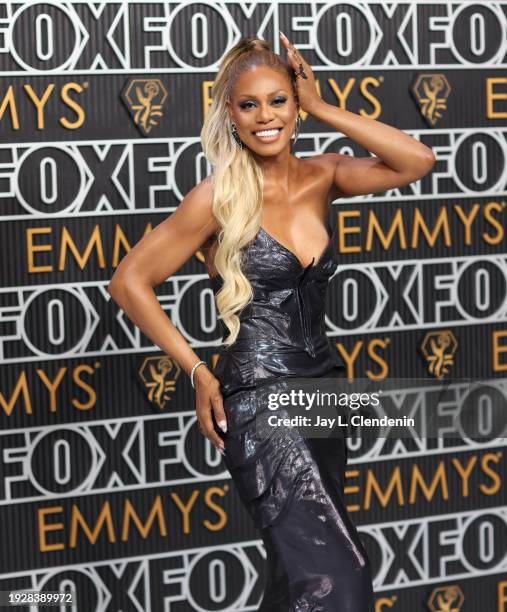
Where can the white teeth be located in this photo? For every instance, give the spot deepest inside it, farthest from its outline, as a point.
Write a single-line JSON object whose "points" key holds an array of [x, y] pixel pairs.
{"points": [[267, 133]]}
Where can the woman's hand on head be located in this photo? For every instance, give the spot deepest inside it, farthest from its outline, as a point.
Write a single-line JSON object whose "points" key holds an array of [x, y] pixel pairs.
{"points": [[209, 403], [307, 93]]}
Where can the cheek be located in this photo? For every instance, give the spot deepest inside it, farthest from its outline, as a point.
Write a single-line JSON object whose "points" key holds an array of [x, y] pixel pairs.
{"points": [[241, 121]]}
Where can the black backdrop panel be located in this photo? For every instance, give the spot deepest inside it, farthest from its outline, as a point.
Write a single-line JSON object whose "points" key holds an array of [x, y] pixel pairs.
{"points": [[106, 484]]}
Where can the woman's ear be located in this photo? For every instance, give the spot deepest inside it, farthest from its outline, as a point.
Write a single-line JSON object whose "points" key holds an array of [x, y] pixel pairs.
{"points": [[229, 111]]}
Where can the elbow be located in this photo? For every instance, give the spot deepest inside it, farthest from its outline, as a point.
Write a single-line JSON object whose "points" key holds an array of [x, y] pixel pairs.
{"points": [[426, 163], [123, 286], [113, 290], [430, 159], [116, 286]]}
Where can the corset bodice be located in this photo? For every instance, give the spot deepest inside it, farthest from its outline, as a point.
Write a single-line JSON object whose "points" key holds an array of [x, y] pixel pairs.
{"points": [[282, 330]]}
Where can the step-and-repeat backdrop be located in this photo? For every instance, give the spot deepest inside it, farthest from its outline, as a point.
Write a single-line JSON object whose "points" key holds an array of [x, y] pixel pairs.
{"points": [[106, 484]]}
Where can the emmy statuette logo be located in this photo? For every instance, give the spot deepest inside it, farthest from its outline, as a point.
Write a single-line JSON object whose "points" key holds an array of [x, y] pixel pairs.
{"points": [[145, 99], [159, 376], [438, 349], [446, 599], [431, 92]]}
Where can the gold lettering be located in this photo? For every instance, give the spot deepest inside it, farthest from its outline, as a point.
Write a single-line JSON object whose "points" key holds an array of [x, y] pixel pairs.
{"points": [[9, 101], [156, 511], [497, 483], [208, 500], [20, 388], [363, 88], [383, 601], [76, 377], [36, 248], [77, 518], [349, 359], [351, 489], [499, 348], [374, 226], [384, 371], [94, 242], [467, 220], [417, 478], [502, 596], [185, 509], [342, 95], [419, 223], [51, 386], [373, 485], [492, 95], [44, 528], [343, 230], [207, 88], [73, 105], [464, 473], [495, 222], [39, 103]]}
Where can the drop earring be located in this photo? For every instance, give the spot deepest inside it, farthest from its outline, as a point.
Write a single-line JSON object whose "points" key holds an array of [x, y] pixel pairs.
{"points": [[235, 135], [296, 131]]}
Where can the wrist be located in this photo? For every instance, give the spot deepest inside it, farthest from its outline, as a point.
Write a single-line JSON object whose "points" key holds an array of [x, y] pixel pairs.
{"points": [[202, 374], [318, 106]]}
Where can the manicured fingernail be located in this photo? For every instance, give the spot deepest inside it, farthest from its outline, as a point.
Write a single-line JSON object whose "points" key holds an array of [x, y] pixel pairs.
{"points": [[223, 425], [282, 33], [221, 450]]}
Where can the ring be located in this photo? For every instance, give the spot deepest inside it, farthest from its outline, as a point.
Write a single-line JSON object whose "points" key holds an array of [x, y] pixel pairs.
{"points": [[301, 72]]}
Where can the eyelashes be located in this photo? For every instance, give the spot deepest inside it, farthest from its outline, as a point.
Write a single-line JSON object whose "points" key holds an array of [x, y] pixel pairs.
{"points": [[278, 100]]}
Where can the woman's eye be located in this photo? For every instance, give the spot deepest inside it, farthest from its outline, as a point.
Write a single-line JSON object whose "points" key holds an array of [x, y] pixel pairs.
{"points": [[275, 101]]}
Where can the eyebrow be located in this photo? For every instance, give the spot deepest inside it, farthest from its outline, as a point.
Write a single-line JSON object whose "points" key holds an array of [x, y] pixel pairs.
{"points": [[269, 94]]}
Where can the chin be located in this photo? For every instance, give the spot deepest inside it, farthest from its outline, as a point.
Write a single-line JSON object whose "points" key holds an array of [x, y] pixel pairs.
{"points": [[268, 148]]}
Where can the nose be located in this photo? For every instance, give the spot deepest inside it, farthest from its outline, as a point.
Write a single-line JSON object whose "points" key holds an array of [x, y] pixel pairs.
{"points": [[264, 114]]}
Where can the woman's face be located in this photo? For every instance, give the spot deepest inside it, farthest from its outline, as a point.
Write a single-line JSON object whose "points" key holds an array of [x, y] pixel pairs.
{"points": [[263, 107]]}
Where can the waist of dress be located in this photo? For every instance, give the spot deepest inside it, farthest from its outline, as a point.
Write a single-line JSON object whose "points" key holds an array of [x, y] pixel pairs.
{"points": [[250, 362], [273, 345]]}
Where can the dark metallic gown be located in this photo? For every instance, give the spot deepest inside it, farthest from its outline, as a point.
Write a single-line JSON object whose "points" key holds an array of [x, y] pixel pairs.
{"points": [[292, 486]]}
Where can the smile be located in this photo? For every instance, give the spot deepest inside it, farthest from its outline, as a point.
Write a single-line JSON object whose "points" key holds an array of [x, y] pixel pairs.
{"points": [[268, 135]]}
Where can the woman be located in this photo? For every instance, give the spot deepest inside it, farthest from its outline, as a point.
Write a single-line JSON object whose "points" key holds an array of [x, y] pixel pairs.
{"points": [[262, 220]]}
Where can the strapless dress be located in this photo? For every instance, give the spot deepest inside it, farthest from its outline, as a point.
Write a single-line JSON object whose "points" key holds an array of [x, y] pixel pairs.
{"points": [[292, 486]]}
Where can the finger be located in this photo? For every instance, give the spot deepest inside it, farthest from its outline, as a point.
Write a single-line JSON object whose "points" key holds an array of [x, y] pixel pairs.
{"points": [[292, 60], [301, 72], [300, 60], [218, 411], [283, 37], [295, 58], [206, 425], [214, 438], [210, 433], [290, 48]]}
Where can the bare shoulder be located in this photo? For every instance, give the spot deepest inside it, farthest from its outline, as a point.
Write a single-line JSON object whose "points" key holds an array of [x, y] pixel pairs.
{"points": [[322, 168], [327, 162], [200, 197], [197, 207]]}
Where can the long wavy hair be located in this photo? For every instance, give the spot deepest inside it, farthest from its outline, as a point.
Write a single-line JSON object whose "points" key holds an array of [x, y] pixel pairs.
{"points": [[237, 179]]}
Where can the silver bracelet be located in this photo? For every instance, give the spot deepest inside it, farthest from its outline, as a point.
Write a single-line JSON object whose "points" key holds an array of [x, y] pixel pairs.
{"points": [[194, 369]]}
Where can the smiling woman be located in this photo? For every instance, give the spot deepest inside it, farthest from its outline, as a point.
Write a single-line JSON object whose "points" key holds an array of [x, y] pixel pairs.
{"points": [[247, 108], [270, 266], [277, 287]]}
